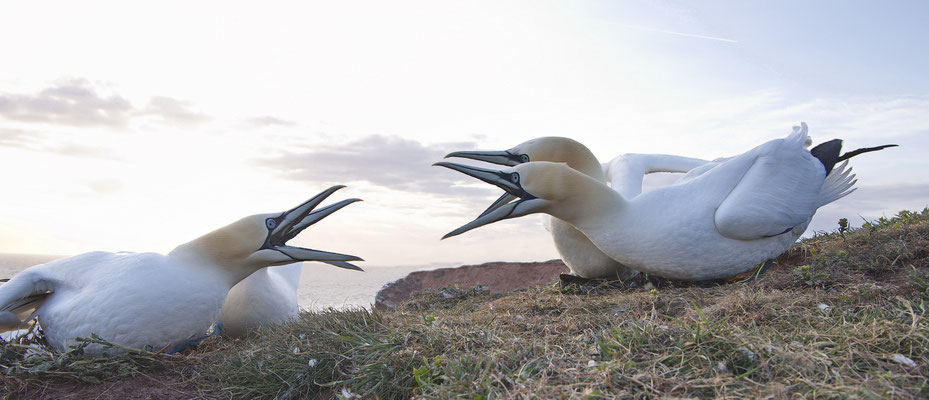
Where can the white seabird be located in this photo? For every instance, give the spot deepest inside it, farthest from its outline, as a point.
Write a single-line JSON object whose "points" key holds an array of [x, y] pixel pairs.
{"points": [[266, 297], [153, 300], [624, 174], [718, 223]]}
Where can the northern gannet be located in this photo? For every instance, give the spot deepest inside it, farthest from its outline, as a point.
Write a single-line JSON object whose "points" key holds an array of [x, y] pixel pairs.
{"points": [[624, 174], [719, 223], [149, 299]]}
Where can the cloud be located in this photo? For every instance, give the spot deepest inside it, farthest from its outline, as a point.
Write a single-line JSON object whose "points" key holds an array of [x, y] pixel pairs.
{"points": [[173, 111], [16, 138], [37, 141], [267, 121], [72, 102], [387, 161], [78, 103]]}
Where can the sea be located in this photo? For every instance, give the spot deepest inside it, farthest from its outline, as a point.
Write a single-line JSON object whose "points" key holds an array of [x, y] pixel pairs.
{"points": [[322, 286]]}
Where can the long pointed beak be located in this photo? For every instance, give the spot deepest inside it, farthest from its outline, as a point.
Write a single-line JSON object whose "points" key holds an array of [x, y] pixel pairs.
{"points": [[500, 202], [506, 211], [292, 222], [503, 207], [494, 157], [317, 216], [297, 214], [337, 259]]}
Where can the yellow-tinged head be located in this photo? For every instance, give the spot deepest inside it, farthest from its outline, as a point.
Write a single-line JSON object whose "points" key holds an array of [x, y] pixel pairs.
{"points": [[259, 241], [537, 187], [550, 148]]}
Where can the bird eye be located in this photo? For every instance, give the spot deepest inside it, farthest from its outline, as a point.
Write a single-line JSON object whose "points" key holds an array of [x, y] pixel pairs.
{"points": [[514, 177], [270, 223], [524, 158]]}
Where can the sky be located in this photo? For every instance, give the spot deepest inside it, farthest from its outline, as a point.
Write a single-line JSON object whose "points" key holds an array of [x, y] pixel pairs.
{"points": [[140, 126]]}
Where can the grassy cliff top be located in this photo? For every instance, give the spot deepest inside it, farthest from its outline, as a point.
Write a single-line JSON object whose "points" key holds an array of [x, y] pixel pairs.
{"points": [[839, 315]]}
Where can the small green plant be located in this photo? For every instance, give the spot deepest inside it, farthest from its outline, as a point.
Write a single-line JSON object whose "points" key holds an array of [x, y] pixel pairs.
{"points": [[843, 227], [808, 276], [428, 374]]}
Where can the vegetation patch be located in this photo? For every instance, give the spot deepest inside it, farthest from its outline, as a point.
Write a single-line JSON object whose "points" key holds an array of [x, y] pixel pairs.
{"points": [[840, 315]]}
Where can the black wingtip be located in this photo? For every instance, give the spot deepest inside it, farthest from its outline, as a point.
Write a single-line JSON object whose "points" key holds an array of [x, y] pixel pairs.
{"points": [[853, 153], [828, 153]]}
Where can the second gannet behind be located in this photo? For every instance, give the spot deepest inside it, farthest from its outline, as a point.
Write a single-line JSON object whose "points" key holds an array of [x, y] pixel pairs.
{"points": [[729, 218], [624, 173], [266, 297], [153, 300]]}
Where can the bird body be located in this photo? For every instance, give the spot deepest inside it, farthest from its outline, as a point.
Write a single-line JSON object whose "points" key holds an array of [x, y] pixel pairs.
{"points": [[268, 296], [716, 223], [133, 299], [153, 300], [624, 174]]}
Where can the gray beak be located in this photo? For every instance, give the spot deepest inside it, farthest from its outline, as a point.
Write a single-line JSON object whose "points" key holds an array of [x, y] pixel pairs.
{"points": [[494, 157], [505, 157], [289, 224], [502, 208]]}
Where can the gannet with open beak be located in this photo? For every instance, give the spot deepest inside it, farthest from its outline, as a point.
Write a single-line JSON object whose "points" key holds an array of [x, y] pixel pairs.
{"points": [[721, 222], [153, 300], [624, 174]]}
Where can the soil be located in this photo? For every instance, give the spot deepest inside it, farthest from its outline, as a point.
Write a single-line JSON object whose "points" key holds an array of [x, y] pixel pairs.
{"points": [[496, 276], [161, 385]]}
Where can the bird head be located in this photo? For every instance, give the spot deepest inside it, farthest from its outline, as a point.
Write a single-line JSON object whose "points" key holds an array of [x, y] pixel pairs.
{"points": [[259, 241], [550, 148], [536, 187]]}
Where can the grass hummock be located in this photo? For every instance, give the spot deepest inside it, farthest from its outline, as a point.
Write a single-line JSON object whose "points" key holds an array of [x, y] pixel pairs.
{"points": [[840, 315]]}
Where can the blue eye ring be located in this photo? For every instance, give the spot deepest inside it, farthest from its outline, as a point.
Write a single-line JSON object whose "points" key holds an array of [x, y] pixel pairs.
{"points": [[514, 177], [524, 158], [271, 223]]}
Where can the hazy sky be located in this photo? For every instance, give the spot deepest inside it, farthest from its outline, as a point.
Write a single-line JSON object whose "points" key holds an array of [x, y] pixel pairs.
{"points": [[139, 126]]}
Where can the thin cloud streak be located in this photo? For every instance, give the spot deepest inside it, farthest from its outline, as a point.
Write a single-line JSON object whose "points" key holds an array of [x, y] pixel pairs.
{"points": [[268, 121], [689, 35]]}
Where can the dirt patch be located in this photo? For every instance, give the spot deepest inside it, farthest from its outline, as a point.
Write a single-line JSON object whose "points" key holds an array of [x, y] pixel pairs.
{"points": [[162, 385], [498, 277]]}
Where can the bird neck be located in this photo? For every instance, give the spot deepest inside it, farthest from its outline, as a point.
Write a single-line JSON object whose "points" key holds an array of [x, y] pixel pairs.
{"points": [[583, 160], [221, 251], [587, 203]]}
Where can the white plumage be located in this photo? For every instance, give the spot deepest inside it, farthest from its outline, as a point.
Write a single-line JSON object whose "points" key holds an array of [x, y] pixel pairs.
{"points": [[266, 297], [624, 174], [149, 299], [715, 223]]}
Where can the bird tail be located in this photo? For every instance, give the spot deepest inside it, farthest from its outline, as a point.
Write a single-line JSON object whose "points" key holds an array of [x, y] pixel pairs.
{"points": [[838, 184]]}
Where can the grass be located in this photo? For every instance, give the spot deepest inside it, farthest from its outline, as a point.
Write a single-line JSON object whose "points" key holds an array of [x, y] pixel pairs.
{"points": [[840, 315]]}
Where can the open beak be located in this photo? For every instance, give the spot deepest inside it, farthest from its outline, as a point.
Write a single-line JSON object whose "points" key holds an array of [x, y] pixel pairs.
{"points": [[504, 157], [504, 207], [292, 222]]}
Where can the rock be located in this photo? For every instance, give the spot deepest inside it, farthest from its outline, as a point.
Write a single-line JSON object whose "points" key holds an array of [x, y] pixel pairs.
{"points": [[904, 360], [495, 277]]}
